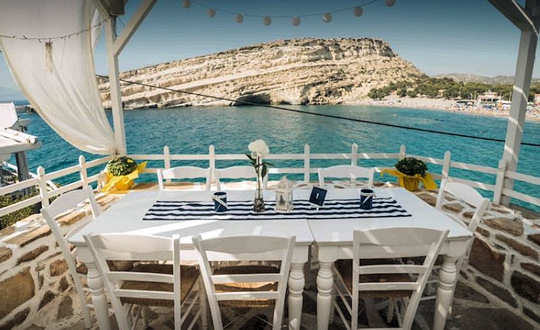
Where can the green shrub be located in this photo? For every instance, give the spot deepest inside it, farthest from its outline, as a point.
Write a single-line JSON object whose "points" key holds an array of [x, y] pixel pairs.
{"points": [[411, 166], [121, 166], [13, 217]]}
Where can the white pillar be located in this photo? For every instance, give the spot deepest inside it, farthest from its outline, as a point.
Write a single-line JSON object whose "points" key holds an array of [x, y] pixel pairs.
{"points": [[114, 83], [520, 93]]}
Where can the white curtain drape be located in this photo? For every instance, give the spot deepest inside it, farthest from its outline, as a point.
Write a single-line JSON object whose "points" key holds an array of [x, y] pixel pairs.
{"points": [[58, 76]]}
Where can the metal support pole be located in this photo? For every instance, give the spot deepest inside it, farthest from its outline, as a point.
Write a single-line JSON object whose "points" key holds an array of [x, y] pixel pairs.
{"points": [[114, 83], [22, 166], [516, 120]]}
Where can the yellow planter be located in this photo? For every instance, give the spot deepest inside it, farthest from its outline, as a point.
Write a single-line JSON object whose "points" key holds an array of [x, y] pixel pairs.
{"points": [[123, 182], [411, 183]]}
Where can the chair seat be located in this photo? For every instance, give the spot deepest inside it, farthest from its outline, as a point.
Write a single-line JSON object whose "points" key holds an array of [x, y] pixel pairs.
{"points": [[189, 276], [345, 269], [252, 286]]}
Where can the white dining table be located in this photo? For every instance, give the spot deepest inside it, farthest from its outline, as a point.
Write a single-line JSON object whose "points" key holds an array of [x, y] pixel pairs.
{"points": [[126, 216], [334, 240]]}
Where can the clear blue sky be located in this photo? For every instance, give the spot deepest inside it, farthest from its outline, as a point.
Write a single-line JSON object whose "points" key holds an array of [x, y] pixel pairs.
{"points": [[438, 36]]}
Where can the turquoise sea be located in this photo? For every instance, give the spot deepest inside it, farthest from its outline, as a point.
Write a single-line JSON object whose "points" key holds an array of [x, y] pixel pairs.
{"points": [[189, 130]]}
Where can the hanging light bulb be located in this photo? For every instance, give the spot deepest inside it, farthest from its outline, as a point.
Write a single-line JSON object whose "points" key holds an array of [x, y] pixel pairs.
{"points": [[186, 3], [390, 3], [358, 11], [211, 12], [296, 21], [327, 18], [239, 18], [267, 20]]}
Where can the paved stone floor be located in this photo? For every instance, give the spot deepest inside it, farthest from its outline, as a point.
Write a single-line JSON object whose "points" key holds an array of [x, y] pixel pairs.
{"points": [[471, 311]]}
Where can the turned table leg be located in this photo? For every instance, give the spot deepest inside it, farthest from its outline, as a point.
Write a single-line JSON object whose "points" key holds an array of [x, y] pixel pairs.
{"points": [[95, 284], [325, 283], [296, 288], [445, 292]]}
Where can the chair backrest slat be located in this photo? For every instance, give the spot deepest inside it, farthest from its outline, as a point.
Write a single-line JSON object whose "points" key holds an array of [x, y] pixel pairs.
{"points": [[183, 172], [237, 172], [245, 278], [135, 248], [249, 246], [392, 269], [71, 200], [397, 242], [346, 172], [467, 194]]}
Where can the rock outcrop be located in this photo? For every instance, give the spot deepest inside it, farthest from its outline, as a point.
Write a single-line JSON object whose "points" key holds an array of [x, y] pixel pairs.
{"points": [[299, 71]]}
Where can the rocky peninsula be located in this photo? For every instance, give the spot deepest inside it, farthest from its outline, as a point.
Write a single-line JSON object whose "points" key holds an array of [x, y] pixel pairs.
{"points": [[298, 71]]}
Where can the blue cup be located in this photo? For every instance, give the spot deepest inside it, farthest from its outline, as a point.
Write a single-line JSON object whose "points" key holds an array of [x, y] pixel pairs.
{"points": [[366, 199], [220, 201]]}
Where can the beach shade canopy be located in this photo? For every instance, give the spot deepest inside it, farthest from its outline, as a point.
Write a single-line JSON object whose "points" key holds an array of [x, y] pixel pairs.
{"points": [[57, 74]]}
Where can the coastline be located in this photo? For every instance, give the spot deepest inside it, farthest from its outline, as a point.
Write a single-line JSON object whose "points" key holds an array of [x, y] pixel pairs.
{"points": [[439, 105]]}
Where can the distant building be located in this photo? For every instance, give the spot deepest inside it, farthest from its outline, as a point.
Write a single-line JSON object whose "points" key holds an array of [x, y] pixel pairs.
{"points": [[536, 99], [488, 100]]}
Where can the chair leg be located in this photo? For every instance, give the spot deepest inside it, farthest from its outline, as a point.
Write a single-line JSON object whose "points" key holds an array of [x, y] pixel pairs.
{"points": [[203, 304]]}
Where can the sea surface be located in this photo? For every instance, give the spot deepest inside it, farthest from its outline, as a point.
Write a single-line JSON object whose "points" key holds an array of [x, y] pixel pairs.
{"points": [[190, 130]]}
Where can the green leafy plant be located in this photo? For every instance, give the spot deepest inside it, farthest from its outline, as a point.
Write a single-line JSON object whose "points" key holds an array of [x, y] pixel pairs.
{"points": [[411, 166], [264, 164], [121, 166]]}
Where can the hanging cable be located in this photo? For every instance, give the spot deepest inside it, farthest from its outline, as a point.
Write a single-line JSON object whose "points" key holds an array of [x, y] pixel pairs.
{"points": [[242, 102]]}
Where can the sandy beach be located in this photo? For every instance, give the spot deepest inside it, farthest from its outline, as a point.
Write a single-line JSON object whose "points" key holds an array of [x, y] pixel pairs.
{"points": [[440, 104]]}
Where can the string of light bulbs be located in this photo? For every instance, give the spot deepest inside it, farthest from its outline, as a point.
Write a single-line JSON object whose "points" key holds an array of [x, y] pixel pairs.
{"points": [[212, 11], [295, 20], [57, 37]]}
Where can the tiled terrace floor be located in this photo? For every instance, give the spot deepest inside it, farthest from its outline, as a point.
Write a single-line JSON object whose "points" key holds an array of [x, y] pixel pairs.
{"points": [[471, 311]]}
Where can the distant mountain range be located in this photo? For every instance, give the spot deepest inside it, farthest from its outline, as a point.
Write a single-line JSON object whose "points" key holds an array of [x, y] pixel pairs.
{"points": [[468, 77]]}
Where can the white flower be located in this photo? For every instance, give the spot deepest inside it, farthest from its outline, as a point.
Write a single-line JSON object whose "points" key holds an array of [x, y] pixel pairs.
{"points": [[259, 148]]}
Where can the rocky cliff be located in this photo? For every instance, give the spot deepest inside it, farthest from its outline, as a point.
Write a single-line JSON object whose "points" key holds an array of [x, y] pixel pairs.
{"points": [[300, 71]]}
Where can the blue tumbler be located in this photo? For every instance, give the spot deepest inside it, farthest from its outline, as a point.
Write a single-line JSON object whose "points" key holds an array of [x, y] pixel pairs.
{"points": [[220, 201], [366, 199]]}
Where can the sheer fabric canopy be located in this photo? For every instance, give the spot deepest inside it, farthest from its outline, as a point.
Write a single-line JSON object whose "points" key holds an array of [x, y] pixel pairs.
{"points": [[58, 76]]}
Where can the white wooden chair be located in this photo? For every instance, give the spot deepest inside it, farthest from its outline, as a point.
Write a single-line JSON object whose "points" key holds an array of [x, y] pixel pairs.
{"points": [[237, 172], [249, 286], [148, 283], [183, 172], [373, 271], [347, 172], [470, 196], [63, 204]]}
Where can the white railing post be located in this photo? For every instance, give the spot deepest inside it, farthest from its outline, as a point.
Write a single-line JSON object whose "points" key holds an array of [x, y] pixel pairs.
{"points": [[307, 167], [445, 173], [43, 193], [402, 151], [354, 154], [499, 183], [212, 162], [83, 172], [166, 160]]}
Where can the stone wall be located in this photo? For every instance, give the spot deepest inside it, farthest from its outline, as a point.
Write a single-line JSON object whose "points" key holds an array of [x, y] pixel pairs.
{"points": [[33, 272], [504, 263]]}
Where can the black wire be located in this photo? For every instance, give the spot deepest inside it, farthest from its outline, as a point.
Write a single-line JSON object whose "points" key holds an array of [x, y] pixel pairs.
{"points": [[242, 102]]}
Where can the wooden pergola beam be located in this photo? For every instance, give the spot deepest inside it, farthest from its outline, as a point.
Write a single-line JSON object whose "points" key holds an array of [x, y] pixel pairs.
{"points": [[132, 25], [515, 13], [527, 20]]}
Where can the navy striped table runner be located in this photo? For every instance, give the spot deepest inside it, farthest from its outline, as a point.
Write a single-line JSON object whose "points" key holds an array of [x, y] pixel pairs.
{"points": [[242, 210]]}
